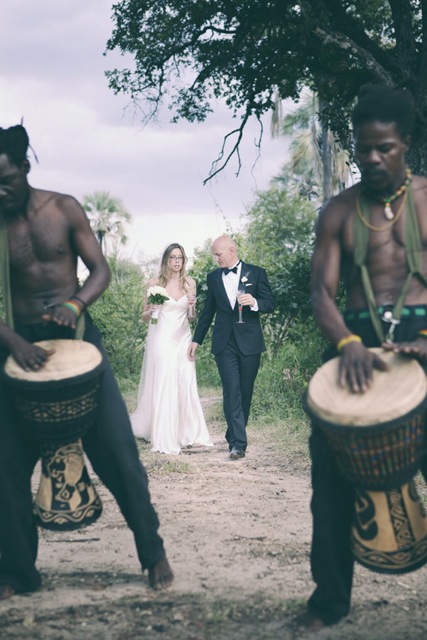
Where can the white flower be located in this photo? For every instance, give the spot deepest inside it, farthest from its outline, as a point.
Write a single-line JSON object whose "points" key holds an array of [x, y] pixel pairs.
{"points": [[244, 279], [157, 295], [156, 290]]}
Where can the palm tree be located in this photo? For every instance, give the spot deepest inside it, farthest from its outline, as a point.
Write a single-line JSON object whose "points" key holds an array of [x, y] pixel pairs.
{"points": [[107, 216], [318, 166]]}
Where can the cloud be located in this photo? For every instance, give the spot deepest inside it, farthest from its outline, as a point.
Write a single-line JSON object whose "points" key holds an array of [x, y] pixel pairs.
{"points": [[87, 139]]}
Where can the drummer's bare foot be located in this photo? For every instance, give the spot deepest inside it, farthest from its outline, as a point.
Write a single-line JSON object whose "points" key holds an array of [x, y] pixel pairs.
{"points": [[6, 591], [160, 575], [308, 623]]}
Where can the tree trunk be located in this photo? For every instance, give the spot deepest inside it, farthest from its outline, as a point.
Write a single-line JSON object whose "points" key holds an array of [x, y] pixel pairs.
{"points": [[417, 156], [326, 155], [326, 164]]}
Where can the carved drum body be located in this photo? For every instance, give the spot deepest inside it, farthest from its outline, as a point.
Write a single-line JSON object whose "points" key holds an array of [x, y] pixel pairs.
{"points": [[57, 405]]}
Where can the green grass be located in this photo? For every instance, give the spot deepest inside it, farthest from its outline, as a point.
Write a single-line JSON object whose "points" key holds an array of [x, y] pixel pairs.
{"points": [[159, 464], [290, 436]]}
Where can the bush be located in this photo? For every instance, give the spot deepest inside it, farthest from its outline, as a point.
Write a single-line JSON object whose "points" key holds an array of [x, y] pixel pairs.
{"points": [[284, 375], [118, 314]]}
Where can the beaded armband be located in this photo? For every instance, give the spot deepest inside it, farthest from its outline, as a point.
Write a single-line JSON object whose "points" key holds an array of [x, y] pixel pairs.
{"points": [[76, 305]]}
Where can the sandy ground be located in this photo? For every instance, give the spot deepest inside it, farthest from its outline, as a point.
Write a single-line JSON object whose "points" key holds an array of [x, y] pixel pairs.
{"points": [[237, 535]]}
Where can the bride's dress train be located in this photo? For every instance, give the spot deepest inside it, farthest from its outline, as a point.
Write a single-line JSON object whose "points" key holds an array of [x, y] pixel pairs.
{"points": [[169, 413]]}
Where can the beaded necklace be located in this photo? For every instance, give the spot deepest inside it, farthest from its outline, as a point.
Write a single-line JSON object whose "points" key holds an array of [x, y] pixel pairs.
{"points": [[388, 212], [389, 224]]}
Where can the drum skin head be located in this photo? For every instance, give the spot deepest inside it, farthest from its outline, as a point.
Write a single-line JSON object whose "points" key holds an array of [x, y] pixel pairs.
{"points": [[70, 358], [392, 394]]}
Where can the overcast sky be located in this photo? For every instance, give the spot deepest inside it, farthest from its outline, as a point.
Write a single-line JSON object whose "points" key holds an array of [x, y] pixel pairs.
{"points": [[87, 139]]}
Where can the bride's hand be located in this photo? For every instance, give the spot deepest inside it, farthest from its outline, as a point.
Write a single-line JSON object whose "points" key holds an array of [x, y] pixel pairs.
{"points": [[153, 307]]}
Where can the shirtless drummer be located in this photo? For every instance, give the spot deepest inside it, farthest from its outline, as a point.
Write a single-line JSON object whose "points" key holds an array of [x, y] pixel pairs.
{"points": [[379, 207], [44, 233]]}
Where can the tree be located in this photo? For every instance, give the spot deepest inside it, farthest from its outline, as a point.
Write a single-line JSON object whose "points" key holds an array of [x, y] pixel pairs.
{"points": [[118, 314], [279, 236], [190, 52], [107, 216], [318, 167]]}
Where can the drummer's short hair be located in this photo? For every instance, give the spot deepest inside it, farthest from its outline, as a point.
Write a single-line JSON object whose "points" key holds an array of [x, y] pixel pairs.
{"points": [[14, 143], [387, 104]]}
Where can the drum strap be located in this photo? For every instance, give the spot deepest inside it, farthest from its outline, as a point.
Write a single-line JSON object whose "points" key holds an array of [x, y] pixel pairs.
{"points": [[80, 327], [5, 284], [4, 273], [413, 257]]}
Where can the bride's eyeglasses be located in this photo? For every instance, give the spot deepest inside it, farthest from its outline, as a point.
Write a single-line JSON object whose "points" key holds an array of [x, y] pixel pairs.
{"points": [[179, 258]]}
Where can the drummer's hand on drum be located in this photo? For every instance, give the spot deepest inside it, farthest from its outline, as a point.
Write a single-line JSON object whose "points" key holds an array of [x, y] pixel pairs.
{"points": [[416, 349], [356, 366], [29, 356], [60, 314]]}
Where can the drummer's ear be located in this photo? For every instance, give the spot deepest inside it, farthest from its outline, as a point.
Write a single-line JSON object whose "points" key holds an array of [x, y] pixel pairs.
{"points": [[26, 166]]}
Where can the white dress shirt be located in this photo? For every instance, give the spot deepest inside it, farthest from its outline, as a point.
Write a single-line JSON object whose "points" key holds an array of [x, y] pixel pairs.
{"points": [[231, 283]]}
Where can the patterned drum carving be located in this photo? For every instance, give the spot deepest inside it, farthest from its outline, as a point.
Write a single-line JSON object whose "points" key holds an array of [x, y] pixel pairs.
{"points": [[66, 498], [389, 530]]}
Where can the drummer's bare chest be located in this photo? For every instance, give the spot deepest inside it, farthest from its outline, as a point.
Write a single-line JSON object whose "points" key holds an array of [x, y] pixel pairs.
{"points": [[42, 238], [386, 242]]}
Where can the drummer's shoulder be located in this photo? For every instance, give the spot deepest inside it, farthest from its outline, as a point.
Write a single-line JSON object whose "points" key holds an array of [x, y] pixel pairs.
{"points": [[337, 210], [419, 186], [51, 200]]}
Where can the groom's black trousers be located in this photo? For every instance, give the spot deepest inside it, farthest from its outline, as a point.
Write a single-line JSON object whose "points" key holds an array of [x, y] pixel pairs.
{"points": [[238, 373], [110, 446]]}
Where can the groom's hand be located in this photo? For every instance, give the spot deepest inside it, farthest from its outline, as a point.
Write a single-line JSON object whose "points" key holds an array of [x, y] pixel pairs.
{"points": [[192, 351], [246, 299]]}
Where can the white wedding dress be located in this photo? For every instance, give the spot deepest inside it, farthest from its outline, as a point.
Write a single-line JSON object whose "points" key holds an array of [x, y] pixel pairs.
{"points": [[169, 413]]}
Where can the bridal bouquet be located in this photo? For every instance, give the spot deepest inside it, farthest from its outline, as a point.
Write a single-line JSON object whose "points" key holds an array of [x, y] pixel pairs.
{"points": [[156, 295]]}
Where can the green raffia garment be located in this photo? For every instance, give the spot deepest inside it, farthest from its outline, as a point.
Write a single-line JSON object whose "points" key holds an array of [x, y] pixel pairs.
{"points": [[4, 273]]}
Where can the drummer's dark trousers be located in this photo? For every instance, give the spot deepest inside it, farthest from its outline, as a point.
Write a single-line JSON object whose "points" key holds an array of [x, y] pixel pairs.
{"points": [[333, 501], [111, 449]]}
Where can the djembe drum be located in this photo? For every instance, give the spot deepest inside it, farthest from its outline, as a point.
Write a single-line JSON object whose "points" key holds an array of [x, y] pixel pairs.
{"points": [[57, 405], [378, 439]]}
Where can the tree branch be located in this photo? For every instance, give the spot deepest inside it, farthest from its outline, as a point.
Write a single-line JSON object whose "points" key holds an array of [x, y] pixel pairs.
{"points": [[424, 23], [346, 35], [403, 28], [344, 43], [215, 169]]}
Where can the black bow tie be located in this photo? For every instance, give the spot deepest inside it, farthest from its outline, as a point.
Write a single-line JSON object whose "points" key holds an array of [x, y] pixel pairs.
{"points": [[226, 271]]}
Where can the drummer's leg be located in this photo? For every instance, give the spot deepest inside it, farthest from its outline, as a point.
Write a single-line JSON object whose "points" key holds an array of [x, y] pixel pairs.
{"points": [[331, 558], [111, 448], [18, 532]]}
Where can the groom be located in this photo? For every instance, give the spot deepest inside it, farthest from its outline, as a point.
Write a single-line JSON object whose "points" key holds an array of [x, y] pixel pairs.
{"points": [[237, 347]]}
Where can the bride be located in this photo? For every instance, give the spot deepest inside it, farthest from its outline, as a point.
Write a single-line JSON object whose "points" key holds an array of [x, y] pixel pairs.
{"points": [[169, 414]]}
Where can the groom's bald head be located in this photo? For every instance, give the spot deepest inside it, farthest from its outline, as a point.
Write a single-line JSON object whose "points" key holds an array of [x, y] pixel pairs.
{"points": [[224, 251]]}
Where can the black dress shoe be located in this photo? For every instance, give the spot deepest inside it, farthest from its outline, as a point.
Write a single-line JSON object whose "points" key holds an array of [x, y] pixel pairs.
{"points": [[236, 454]]}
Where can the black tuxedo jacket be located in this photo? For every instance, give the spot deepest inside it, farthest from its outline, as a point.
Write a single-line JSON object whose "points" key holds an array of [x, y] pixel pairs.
{"points": [[249, 334]]}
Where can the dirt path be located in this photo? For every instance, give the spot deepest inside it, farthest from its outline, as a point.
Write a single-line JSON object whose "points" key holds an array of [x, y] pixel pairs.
{"points": [[237, 535]]}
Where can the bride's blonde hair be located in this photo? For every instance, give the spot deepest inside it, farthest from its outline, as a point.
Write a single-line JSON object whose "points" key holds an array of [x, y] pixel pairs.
{"points": [[164, 272]]}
